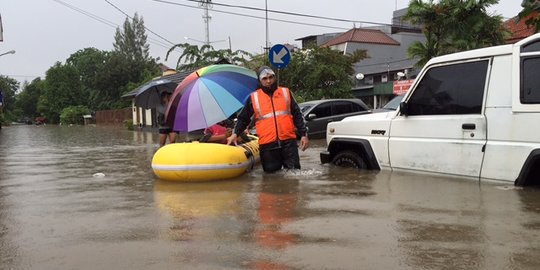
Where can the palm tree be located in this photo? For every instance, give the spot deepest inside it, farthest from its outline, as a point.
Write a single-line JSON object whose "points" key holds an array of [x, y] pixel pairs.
{"points": [[454, 25], [195, 57]]}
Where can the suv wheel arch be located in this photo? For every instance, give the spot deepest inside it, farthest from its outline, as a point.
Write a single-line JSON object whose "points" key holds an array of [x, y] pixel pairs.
{"points": [[530, 172], [361, 147]]}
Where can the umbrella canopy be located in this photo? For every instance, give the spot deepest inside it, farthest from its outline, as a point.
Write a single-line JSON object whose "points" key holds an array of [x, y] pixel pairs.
{"points": [[149, 94], [210, 95]]}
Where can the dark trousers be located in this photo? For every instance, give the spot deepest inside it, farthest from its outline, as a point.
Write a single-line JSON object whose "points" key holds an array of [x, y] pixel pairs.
{"points": [[278, 155]]}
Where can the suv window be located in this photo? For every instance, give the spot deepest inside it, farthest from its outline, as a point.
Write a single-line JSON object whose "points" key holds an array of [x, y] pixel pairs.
{"points": [[530, 81], [452, 89]]}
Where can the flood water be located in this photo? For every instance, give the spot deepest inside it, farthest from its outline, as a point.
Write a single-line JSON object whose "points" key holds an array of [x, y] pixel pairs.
{"points": [[86, 198]]}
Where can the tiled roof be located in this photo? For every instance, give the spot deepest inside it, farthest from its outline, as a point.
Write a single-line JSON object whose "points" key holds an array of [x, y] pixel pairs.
{"points": [[362, 35], [518, 28]]}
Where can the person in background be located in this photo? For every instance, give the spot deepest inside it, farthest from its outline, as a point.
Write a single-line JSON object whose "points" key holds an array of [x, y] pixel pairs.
{"points": [[164, 130], [277, 119], [216, 133]]}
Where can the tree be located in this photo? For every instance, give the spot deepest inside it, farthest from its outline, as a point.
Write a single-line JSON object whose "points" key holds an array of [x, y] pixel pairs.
{"points": [[531, 7], [89, 62], [129, 66], [195, 57], [131, 41], [112, 81], [319, 73], [8, 87], [26, 101], [62, 89], [454, 25]]}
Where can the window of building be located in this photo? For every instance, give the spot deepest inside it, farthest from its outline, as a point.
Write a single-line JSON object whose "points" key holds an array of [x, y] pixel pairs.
{"points": [[369, 79]]}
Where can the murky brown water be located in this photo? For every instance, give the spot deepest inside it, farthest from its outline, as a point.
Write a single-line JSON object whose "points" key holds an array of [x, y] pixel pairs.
{"points": [[54, 214]]}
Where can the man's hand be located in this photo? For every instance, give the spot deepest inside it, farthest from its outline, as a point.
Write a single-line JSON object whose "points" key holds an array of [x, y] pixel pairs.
{"points": [[232, 139], [304, 143]]}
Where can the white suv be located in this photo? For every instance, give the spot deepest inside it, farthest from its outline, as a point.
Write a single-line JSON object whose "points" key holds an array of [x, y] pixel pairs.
{"points": [[473, 114]]}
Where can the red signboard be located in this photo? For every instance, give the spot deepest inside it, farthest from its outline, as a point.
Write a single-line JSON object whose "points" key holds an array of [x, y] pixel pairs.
{"points": [[401, 87]]}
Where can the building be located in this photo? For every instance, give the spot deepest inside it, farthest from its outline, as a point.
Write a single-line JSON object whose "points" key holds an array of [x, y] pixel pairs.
{"points": [[386, 47], [518, 28]]}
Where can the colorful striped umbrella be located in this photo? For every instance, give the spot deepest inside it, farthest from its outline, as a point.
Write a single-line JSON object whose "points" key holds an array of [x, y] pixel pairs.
{"points": [[209, 95]]}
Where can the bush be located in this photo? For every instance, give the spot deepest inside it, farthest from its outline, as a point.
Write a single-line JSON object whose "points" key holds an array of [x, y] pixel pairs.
{"points": [[73, 115], [129, 124]]}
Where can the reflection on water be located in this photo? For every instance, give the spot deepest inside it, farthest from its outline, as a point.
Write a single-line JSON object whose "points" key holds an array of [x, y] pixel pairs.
{"points": [[86, 198], [189, 206]]}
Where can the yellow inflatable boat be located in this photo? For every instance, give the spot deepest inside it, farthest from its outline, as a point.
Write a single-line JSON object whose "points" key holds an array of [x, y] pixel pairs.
{"points": [[196, 161]]}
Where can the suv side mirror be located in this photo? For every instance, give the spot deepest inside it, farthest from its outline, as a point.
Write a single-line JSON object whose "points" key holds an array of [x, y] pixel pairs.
{"points": [[404, 108]]}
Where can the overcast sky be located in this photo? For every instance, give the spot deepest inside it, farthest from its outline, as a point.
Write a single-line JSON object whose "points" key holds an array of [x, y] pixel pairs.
{"points": [[43, 32]]}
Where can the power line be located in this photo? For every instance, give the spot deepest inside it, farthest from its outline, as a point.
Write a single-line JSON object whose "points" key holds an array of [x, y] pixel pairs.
{"points": [[252, 16], [121, 11], [283, 13], [105, 21], [95, 17]]}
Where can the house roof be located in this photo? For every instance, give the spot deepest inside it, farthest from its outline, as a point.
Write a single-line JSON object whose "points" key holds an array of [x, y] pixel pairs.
{"points": [[518, 28], [362, 35]]}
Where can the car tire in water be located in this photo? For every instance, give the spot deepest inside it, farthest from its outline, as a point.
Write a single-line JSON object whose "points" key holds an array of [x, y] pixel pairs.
{"points": [[349, 159]]}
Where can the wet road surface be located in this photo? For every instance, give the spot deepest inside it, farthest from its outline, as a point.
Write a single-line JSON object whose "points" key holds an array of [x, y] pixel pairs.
{"points": [[86, 198]]}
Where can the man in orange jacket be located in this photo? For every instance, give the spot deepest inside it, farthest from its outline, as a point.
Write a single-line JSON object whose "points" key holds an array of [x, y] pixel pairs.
{"points": [[277, 120]]}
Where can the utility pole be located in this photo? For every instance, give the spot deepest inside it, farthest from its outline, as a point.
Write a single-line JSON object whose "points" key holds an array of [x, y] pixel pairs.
{"points": [[266, 45], [206, 4]]}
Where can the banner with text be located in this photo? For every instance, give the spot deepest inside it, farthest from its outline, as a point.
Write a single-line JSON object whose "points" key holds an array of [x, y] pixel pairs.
{"points": [[401, 87]]}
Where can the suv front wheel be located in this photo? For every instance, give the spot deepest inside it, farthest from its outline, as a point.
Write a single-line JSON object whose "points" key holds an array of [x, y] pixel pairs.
{"points": [[349, 159]]}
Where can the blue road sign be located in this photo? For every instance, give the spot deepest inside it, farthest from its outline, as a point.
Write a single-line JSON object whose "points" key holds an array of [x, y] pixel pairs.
{"points": [[279, 56]]}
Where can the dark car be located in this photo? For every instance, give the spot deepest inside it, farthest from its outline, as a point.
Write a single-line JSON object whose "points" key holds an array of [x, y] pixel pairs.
{"points": [[318, 113]]}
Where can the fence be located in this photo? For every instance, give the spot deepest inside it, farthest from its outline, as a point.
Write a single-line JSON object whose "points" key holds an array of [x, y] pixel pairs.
{"points": [[113, 117]]}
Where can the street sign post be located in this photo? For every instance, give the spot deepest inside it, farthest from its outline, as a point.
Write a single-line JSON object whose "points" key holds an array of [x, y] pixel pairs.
{"points": [[279, 56]]}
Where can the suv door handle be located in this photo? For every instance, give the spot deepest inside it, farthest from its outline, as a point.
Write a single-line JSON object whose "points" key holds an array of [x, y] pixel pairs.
{"points": [[468, 126]]}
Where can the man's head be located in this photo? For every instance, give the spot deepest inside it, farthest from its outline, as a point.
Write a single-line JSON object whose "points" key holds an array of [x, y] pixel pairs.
{"points": [[267, 77], [165, 96]]}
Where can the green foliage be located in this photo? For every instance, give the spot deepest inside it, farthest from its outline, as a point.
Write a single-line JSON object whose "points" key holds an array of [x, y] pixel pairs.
{"points": [[128, 66], [530, 7], [89, 62], [8, 117], [9, 87], [73, 115], [194, 57], [90, 77], [27, 100], [453, 26], [62, 89], [258, 61], [320, 73], [131, 40], [129, 124]]}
